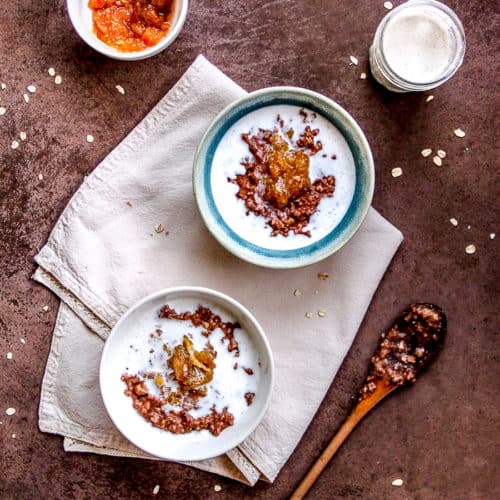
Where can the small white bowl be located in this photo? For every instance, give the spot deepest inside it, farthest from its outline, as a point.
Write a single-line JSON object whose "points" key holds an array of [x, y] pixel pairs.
{"points": [[130, 330], [80, 15]]}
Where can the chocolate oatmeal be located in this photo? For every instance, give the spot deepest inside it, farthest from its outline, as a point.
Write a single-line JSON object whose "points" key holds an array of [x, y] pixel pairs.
{"points": [[407, 347], [276, 184], [176, 392]]}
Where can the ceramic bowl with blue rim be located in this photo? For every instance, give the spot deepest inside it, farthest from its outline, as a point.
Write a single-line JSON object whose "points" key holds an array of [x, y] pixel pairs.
{"points": [[283, 177]]}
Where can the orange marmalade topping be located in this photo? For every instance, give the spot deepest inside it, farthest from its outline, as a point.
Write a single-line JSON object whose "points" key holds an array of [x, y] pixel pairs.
{"points": [[132, 25]]}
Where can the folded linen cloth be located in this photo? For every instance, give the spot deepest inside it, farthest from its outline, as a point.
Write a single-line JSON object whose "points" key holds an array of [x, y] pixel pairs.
{"points": [[104, 254]]}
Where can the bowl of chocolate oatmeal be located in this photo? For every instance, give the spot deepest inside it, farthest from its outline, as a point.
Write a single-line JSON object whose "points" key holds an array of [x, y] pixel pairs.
{"points": [[283, 177], [186, 374]]}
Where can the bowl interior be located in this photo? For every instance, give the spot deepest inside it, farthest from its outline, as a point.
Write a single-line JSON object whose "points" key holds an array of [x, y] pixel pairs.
{"points": [[340, 234], [81, 17], [136, 324]]}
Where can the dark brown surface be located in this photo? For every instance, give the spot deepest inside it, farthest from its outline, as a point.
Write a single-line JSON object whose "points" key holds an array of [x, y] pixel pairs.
{"points": [[441, 436]]}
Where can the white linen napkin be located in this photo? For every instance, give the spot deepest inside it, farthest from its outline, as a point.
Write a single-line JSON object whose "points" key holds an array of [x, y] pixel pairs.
{"points": [[104, 254]]}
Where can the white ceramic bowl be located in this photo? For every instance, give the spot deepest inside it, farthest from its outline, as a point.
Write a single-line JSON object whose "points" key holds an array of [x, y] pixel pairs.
{"points": [[81, 17], [136, 323]]}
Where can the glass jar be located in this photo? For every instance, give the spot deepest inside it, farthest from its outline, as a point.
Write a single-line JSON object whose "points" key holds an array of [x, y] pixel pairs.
{"points": [[417, 46]]}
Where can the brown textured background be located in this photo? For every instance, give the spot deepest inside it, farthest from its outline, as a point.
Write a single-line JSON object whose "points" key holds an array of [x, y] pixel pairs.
{"points": [[441, 436]]}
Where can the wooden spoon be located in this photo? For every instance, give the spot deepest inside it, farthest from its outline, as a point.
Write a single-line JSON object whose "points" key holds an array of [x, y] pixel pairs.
{"points": [[408, 347]]}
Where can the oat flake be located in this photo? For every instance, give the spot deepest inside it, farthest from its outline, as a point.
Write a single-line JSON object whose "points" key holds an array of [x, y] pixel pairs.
{"points": [[45, 308], [10, 411], [217, 488], [2, 110], [156, 489], [426, 152], [51, 72], [3, 86], [454, 222], [362, 76], [159, 228], [437, 161], [129, 203], [397, 482], [388, 5], [22, 341], [459, 132], [397, 172], [309, 315], [120, 89], [9, 355], [323, 276], [90, 138], [492, 236], [26, 98], [23, 136], [14, 145], [40, 177], [354, 60], [441, 153], [429, 98], [58, 80], [470, 249], [13, 436], [321, 313], [31, 89], [297, 292]]}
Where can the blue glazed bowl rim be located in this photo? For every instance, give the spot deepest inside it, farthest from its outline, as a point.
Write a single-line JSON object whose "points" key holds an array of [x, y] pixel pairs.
{"points": [[340, 234]]}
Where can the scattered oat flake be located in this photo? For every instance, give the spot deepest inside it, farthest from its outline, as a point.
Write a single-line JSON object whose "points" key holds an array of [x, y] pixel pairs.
{"points": [[2, 110], [58, 80], [45, 308], [13, 436], [429, 98], [156, 489], [9, 355], [441, 153], [26, 98], [397, 482], [22, 341], [23, 136], [354, 60], [90, 138], [470, 249], [120, 89], [10, 411], [362, 76], [426, 152], [51, 72], [159, 228], [388, 5], [40, 177], [454, 222], [129, 203], [397, 172], [14, 145], [309, 315], [459, 132], [323, 276], [217, 488], [492, 236], [3, 86], [321, 313], [31, 89], [297, 292], [437, 161]]}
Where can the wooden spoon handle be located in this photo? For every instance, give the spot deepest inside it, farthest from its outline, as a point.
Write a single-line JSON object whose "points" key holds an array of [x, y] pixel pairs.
{"points": [[361, 409]]}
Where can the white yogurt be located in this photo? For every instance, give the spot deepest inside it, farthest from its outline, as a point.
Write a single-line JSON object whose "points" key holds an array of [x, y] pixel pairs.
{"points": [[418, 45], [228, 386], [227, 163]]}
